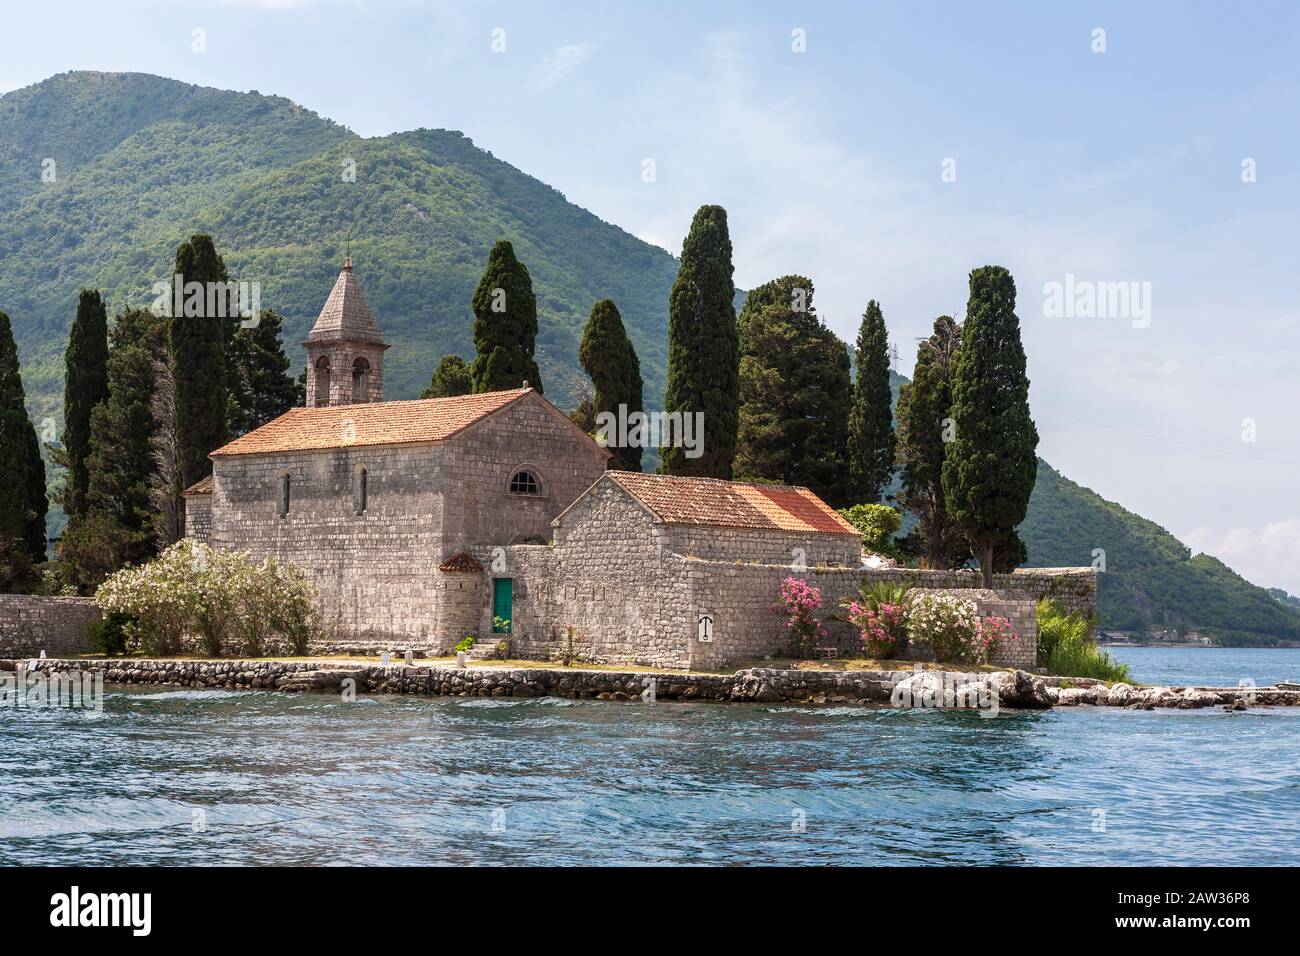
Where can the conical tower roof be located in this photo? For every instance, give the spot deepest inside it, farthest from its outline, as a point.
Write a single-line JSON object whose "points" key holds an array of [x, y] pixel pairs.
{"points": [[346, 315]]}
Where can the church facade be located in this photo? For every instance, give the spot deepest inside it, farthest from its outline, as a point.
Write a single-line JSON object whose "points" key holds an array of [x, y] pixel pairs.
{"points": [[493, 515]]}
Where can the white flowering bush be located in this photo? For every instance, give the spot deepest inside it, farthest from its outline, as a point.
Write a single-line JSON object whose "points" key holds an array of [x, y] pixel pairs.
{"points": [[214, 594], [951, 627]]}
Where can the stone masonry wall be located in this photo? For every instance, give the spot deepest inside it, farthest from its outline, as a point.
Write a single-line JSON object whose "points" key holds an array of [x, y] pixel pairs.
{"points": [[1075, 588], [529, 434], [376, 571], [198, 518], [31, 623]]}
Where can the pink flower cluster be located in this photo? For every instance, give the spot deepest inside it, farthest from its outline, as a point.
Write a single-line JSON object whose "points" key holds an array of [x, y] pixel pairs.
{"points": [[799, 604], [988, 632], [880, 627]]}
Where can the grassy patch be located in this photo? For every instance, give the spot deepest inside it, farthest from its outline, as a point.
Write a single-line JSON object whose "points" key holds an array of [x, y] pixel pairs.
{"points": [[1067, 649]]}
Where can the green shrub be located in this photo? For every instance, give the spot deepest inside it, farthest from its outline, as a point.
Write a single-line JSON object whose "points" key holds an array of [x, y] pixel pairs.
{"points": [[878, 525], [465, 643], [109, 634], [1067, 649]]}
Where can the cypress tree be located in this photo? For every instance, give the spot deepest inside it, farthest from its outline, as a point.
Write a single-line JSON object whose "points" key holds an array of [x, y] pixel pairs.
{"points": [[262, 387], [607, 355], [795, 391], [990, 466], [198, 341], [17, 445], [122, 430], [505, 324], [451, 377], [85, 385], [923, 405], [38, 504], [704, 348], [871, 428]]}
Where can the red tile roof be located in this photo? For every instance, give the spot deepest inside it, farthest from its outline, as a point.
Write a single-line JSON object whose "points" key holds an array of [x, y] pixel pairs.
{"points": [[462, 561], [733, 504], [377, 423], [201, 487]]}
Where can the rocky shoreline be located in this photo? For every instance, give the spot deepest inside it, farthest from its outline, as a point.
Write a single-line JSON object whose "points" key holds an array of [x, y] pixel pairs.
{"points": [[1013, 689]]}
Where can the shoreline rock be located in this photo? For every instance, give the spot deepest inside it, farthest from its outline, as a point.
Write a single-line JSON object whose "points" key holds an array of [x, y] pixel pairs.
{"points": [[1015, 689]]}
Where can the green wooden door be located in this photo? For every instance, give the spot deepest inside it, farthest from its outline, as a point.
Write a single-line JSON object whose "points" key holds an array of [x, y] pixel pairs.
{"points": [[503, 604]]}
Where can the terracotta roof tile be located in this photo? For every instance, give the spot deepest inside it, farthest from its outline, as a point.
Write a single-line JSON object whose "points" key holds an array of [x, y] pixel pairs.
{"points": [[462, 561], [378, 423], [733, 504], [201, 487]]}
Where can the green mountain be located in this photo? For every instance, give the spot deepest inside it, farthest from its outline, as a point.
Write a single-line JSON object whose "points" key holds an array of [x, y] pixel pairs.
{"points": [[141, 162]]}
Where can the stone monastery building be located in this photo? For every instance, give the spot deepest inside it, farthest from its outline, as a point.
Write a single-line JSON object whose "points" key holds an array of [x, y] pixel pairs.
{"points": [[421, 522]]}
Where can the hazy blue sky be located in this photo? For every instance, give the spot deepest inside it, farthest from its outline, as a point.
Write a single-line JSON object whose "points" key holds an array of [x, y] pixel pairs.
{"points": [[1123, 165]]}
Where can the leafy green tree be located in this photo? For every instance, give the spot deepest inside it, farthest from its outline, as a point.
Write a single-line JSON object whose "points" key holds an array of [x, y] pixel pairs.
{"points": [[85, 385], [121, 460], [990, 466], [607, 355], [198, 347], [262, 387], [17, 445], [871, 427], [924, 407], [878, 524], [451, 377], [795, 391], [704, 348], [505, 324]]}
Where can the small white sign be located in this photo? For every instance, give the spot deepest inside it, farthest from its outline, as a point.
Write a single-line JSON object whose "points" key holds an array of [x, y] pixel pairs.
{"points": [[706, 628]]}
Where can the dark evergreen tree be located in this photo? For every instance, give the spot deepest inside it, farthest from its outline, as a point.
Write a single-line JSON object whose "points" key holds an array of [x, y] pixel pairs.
{"points": [[198, 330], [871, 427], [85, 385], [505, 324], [704, 348], [37, 501], [990, 466], [121, 443], [607, 355], [795, 392], [262, 388], [16, 447], [452, 377], [924, 404]]}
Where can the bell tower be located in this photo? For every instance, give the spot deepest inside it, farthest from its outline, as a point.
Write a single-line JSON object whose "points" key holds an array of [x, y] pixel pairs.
{"points": [[345, 349]]}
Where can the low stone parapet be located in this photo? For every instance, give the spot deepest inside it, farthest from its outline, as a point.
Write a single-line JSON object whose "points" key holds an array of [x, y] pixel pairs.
{"points": [[32, 623]]}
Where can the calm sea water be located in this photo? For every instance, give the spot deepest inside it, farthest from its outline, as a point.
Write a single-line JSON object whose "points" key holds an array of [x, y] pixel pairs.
{"points": [[185, 776], [1209, 666]]}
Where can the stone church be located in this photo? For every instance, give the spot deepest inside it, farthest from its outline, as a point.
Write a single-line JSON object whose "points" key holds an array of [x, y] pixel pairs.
{"points": [[493, 515]]}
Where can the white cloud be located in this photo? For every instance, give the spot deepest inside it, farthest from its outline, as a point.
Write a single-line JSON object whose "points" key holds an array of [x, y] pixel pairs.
{"points": [[562, 61], [1268, 556]]}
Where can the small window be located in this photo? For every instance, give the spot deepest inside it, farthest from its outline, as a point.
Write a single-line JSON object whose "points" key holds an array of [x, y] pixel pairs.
{"points": [[322, 382], [284, 494], [524, 483], [362, 490]]}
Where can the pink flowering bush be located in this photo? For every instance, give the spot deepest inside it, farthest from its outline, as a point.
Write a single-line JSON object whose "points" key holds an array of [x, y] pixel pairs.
{"points": [[882, 627], [799, 604]]}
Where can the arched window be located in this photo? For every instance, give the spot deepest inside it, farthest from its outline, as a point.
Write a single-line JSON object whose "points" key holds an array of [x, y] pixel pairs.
{"points": [[322, 381], [361, 489], [284, 494], [360, 381], [524, 482]]}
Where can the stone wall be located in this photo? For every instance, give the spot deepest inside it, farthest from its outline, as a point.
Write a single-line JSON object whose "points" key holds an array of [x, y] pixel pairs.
{"points": [[1075, 588], [31, 623], [529, 434], [376, 570], [198, 518]]}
